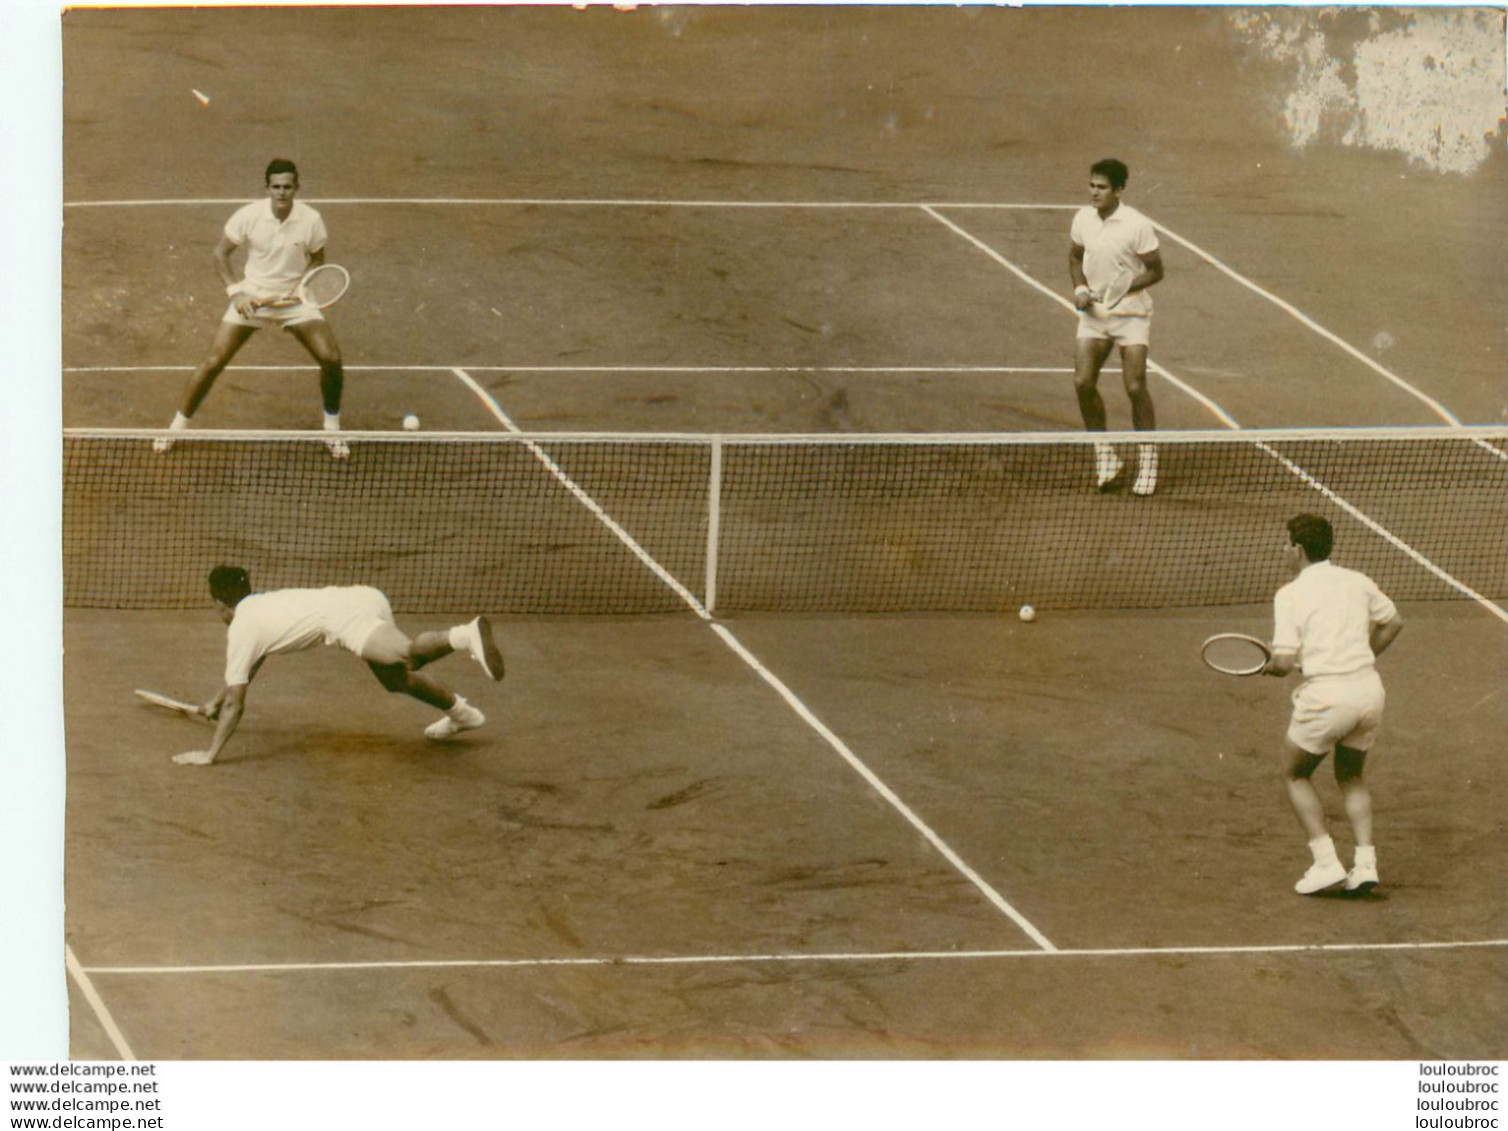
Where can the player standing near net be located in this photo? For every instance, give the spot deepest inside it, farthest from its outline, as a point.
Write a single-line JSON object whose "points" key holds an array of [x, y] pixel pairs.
{"points": [[1331, 623], [284, 238], [1113, 258], [359, 619]]}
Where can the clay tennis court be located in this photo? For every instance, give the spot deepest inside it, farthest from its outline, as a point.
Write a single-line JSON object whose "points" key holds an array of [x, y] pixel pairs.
{"points": [[753, 832]]}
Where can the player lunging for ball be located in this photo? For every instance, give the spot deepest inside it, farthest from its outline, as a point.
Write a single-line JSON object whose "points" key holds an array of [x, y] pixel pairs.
{"points": [[284, 238], [1331, 623], [1113, 258], [356, 617]]}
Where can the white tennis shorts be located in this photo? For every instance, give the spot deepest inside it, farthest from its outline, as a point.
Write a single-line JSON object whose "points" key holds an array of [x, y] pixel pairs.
{"points": [[271, 319], [1337, 708], [355, 616], [1127, 330]]}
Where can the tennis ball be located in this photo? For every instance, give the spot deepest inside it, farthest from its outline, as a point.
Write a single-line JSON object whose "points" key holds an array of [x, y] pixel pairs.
{"points": [[1028, 613], [411, 423]]}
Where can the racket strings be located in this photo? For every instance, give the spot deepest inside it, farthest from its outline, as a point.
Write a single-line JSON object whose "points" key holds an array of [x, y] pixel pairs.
{"points": [[1235, 655], [324, 285]]}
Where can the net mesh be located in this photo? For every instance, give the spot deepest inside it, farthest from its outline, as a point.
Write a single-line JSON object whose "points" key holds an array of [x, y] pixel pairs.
{"points": [[635, 524]]}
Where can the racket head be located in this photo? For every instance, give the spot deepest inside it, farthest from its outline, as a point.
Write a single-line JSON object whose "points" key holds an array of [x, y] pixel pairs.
{"points": [[166, 702], [1235, 653], [324, 285], [1118, 288]]}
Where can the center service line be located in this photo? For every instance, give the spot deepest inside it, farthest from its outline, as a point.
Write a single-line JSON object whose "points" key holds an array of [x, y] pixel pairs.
{"points": [[586, 500]]}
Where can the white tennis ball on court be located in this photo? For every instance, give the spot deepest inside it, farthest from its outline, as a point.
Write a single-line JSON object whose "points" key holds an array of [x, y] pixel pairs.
{"points": [[411, 423], [1028, 613]]}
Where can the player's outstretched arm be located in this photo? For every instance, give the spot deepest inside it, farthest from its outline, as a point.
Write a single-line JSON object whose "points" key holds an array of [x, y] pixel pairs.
{"points": [[232, 704]]}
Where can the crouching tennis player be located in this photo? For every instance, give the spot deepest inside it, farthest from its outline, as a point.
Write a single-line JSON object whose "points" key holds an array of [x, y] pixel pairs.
{"points": [[1331, 624], [356, 617]]}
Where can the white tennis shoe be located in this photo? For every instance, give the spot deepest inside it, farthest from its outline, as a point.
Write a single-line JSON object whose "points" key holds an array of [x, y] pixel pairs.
{"points": [[162, 445], [339, 449], [1362, 878], [463, 716], [1107, 466], [483, 648], [1321, 876]]}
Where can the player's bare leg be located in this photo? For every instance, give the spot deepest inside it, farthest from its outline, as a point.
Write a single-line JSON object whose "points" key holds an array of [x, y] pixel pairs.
{"points": [[1349, 766], [229, 338], [400, 679], [1327, 870], [319, 339], [1143, 415], [1088, 359], [395, 660]]}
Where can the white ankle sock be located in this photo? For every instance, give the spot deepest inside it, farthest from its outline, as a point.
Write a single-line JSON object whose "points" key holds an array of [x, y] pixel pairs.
{"points": [[1366, 856], [458, 708], [458, 638], [180, 422], [1323, 849], [332, 422]]}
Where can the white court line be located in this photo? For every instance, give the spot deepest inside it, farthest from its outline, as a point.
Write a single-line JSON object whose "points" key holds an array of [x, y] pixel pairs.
{"points": [[541, 202], [586, 500], [97, 1003], [1053, 370], [764, 673], [839, 956], [1214, 409]]}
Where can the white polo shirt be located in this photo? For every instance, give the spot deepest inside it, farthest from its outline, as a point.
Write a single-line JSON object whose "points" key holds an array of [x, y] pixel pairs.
{"points": [[277, 251], [1111, 244], [290, 620], [1326, 615]]}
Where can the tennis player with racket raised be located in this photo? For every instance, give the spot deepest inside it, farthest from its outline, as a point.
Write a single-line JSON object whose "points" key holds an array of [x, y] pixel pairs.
{"points": [[1331, 624], [1113, 258], [284, 240], [356, 617]]}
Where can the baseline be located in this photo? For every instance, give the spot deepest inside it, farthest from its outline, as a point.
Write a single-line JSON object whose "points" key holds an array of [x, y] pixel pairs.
{"points": [[838, 956]]}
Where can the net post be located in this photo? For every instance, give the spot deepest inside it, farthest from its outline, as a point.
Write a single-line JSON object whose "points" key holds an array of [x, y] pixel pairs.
{"points": [[714, 519]]}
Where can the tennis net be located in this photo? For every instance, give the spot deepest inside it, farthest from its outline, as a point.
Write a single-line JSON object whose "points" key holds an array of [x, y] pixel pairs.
{"points": [[620, 523]]}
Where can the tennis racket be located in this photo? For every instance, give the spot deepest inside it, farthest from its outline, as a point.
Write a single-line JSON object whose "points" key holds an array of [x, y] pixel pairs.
{"points": [[1235, 654], [177, 706], [321, 287], [1118, 288]]}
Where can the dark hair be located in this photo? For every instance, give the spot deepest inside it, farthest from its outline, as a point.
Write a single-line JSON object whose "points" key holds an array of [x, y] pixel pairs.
{"points": [[1113, 171], [280, 165], [1313, 533], [228, 584]]}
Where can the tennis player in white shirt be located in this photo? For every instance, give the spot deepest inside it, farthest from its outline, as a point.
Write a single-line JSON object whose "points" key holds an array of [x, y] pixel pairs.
{"points": [[284, 238], [1107, 239], [359, 619], [1331, 624]]}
